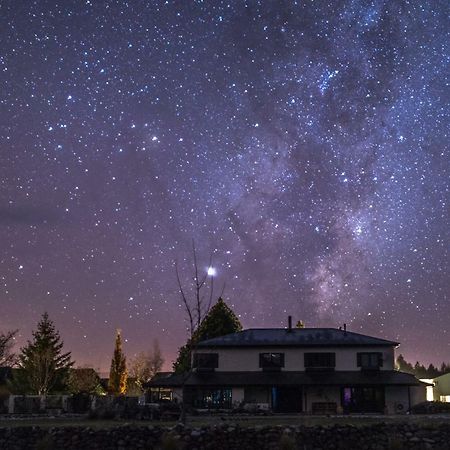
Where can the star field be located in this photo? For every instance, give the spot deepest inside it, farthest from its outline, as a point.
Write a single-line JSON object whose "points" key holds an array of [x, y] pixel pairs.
{"points": [[303, 143]]}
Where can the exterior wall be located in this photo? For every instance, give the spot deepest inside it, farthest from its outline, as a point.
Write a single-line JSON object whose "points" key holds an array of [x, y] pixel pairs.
{"points": [[441, 387], [257, 394], [315, 394], [418, 394], [397, 399], [247, 359]]}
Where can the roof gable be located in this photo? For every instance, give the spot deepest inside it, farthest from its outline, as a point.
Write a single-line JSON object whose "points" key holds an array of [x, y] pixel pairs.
{"points": [[295, 337]]}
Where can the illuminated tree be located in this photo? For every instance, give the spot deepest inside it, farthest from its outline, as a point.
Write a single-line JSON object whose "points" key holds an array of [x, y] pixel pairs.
{"points": [[84, 380], [145, 366], [42, 367], [117, 384]]}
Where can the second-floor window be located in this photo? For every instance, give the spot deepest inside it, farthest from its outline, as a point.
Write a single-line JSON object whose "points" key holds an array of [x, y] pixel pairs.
{"points": [[207, 361], [320, 361], [271, 361], [370, 360]]}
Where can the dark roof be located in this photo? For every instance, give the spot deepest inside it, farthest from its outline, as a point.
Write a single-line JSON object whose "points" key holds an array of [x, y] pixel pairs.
{"points": [[260, 378], [296, 337]]}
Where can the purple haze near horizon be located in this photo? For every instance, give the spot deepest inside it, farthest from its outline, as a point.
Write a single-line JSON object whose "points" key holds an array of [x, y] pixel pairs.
{"points": [[303, 143]]}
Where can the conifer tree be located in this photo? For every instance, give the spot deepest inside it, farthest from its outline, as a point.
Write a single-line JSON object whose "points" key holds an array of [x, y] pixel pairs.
{"points": [[445, 368], [403, 365], [219, 321], [117, 384], [42, 366]]}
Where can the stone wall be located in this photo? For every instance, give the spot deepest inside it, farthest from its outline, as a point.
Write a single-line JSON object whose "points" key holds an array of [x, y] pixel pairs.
{"points": [[227, 437]]}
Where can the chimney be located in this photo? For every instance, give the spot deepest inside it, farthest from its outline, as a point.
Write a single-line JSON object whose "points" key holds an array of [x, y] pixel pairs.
{"points": [[289, 324], [345, 328]]}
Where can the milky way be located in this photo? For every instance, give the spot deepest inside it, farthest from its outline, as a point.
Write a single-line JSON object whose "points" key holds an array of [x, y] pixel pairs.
{"points": [[302, 143]]}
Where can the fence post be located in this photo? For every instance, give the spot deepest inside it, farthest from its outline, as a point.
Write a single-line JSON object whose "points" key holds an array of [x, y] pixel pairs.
{"points": [[11, 404]]}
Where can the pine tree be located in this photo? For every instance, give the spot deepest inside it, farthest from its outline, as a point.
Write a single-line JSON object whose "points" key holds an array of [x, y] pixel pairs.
{"points": [[42, 366], [219, 321], [419, 370], [117, 384], [445, 368], [432, 371], [403, 365], [182, 363]]}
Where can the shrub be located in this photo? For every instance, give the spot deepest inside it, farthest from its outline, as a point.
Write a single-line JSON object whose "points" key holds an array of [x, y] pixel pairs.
{"points": [[431, 408]]}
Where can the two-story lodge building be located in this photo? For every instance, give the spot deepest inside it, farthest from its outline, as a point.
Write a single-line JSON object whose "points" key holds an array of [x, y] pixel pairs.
{"points": [[312, 370]]}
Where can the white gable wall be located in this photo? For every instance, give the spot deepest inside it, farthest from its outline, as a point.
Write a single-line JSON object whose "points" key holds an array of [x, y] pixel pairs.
{"points": [[247, 359]]}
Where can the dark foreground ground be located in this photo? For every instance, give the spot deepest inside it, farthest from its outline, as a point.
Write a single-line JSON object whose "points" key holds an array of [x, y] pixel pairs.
{"points": [[241, 420], [415, 432]]}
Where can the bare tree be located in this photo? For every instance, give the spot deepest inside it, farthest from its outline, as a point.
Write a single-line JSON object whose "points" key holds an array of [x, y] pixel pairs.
{"points": [[146, 364], [198, 303], [7, 357]]}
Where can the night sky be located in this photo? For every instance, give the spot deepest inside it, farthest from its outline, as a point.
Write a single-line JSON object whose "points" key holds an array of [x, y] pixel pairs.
{"points": [[303, 143]]}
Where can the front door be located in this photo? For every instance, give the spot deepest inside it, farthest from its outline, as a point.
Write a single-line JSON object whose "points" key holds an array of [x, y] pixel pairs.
{"points": [[363, 399], [287, 399]]}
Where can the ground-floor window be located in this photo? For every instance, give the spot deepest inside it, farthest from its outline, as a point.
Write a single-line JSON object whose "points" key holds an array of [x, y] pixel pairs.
{"points": [[363, 399], [160, 395], [214, 398]]}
